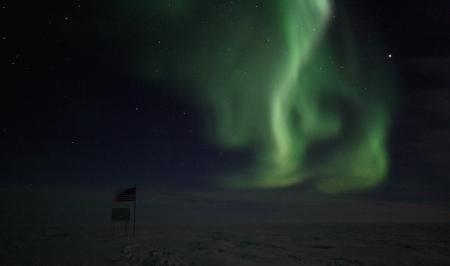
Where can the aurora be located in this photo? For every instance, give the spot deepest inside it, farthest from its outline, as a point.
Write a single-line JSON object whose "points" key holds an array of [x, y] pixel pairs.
{"points": [[285, 79]]}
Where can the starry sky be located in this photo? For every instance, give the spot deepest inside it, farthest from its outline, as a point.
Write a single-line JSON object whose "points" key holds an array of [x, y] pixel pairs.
{"points": [[86, 111]]}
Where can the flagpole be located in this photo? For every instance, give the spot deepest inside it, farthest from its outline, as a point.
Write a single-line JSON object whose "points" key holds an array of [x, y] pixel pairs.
{"points": [[134, 212]]}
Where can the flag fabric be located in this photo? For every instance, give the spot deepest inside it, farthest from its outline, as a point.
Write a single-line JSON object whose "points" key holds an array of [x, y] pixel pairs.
{"points": [[126, 195]]}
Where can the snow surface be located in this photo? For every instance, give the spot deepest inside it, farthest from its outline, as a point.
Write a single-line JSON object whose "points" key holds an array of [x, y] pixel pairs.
{"points": [[276, 244]]}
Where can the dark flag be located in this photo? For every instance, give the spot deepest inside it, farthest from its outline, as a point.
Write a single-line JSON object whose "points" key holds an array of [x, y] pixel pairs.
{"points": [[126, 195]]}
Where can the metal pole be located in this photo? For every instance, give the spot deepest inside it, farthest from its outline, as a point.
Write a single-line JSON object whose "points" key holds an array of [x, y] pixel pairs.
{"points": [[134, 212]]}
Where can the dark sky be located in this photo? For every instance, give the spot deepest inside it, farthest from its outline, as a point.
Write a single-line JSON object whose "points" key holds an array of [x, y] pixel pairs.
{"points": [[76, 126]]}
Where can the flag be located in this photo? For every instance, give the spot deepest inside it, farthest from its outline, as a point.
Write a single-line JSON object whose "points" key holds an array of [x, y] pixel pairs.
{"points": [[126, 195]]}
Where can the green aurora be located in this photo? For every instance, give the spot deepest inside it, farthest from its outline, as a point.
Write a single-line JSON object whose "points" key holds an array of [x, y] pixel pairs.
{"points": [[283, 78]]}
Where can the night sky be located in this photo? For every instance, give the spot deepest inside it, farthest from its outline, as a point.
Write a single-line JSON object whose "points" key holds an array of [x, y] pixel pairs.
{"points": [[83, 117]]}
